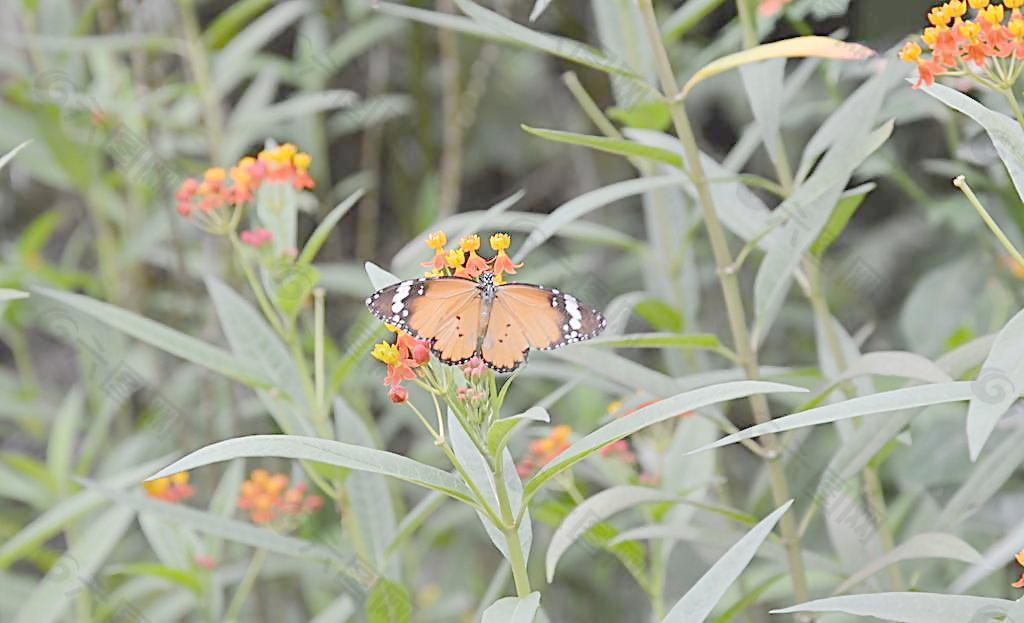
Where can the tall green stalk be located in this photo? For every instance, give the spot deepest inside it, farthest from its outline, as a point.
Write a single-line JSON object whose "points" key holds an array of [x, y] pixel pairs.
{"points": [[733, 298]]}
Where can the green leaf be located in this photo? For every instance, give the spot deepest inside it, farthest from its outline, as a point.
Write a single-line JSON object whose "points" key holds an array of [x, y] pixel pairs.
{"points": [[227, 24], [884, 402], [229, 64], [595, 509], [617, 146], [999, 384], [656, 115], [323, 451], [156, 334], [293, 285], [501, 431], [323, 230], [927, 545], [11, 154], [697, 603], [252, 340], [538, 9], [163, 572], [379, 277], [916, 607], [479, 470], [841, 215], [1005, 133], [75, 570], [807, 210], [388, 602], [557, 46], [586, 203], [65, 513], [63, 434], [764, 86], [647, 416], [7, 294], [513, 609], [703, 341]]}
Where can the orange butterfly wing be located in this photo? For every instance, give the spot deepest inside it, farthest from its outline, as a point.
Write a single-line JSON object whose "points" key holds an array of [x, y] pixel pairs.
{"points": [[443, 310]]}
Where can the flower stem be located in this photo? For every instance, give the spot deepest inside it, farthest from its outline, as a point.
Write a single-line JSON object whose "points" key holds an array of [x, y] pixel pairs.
{"points": [[318, 350], [516, 557], [961, 183], [749, 25], [1012, 100], [255, 286], [733, 299], [245, 586]]}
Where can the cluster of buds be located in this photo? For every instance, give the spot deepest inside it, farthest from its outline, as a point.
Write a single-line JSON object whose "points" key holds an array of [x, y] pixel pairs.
{"points": [[170, 489], [402, 358], [214, 202], [979, 39], [464, 261], [256, 238], [542, 451], [268, 499]]}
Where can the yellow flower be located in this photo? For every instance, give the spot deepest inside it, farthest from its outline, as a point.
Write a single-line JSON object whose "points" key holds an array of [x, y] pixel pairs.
{"points": [[931, 35], [437, 240], [1016, 27], [286, 151], [215, 174], [993, 14], [958, 8], [978, 4], [970, 31], [1013, 4], [302, 161], [386, 353], [500, 242], [939, 16], [470, 243], [911, 52], [455, 258]]}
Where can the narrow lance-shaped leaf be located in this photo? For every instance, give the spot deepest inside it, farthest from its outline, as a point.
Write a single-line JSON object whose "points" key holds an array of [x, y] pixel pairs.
{"points": [[928, 545], [884, 402], [323, 451], [159, 335], [917, 607], [595, 509], [698, 602], [647, 416], [798, 47], [999, 384], [617, 146]]}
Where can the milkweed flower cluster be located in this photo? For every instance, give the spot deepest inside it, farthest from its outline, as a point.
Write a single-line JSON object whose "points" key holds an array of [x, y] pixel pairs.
{"points": [[980, 39], [544, 450], [170, 489], [268, 499], [465, 261], [215, 200], [402, 358]]}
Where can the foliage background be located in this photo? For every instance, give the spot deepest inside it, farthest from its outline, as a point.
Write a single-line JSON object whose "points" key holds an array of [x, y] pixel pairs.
{"points": [[428, 124]]}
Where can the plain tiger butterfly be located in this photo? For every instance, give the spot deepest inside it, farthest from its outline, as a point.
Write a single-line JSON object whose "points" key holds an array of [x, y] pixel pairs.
{"points": [[463, 317]]}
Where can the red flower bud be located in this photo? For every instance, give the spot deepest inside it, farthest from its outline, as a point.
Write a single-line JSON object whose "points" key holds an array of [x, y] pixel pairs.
{"points": [[398, 394]]}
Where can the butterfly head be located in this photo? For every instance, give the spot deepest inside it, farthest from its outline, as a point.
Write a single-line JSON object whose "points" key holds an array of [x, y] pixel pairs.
{"points": [[486, 279]]}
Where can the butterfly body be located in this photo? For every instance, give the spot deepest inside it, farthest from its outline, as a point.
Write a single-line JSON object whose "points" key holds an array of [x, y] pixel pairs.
{"points": [[463, 318]]}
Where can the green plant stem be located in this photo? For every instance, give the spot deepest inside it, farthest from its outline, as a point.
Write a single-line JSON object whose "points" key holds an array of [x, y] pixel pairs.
{"points": [[213, 116], [318, 350], [245, 586], [733, 300], [961, 183], [748, 22], [510, 529], [256, 286], [1012, 100]]}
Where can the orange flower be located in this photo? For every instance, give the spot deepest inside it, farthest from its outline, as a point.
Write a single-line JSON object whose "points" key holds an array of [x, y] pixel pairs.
{"points": [[436, 241], [475, 265], [502, 262], [267, 498], [401, 358], [170, 489], [542, 451]]}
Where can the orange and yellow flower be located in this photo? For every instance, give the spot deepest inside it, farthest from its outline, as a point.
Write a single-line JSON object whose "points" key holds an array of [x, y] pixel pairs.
{"points": [[268, 498], [542, 451], [173, 488], [975, 45], [401, 358]]}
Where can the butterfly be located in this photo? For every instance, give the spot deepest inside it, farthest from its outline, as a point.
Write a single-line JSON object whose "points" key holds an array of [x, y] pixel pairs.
{"points": [[463, 317]]}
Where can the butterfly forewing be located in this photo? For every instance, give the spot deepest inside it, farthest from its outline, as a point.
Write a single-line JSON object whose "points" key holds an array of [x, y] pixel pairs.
{"points": [[549, 318], [443, 310]]}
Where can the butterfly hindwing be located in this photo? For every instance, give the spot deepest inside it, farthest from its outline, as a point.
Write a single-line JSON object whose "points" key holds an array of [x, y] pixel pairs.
{"points": [[505, 345]]}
